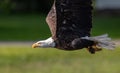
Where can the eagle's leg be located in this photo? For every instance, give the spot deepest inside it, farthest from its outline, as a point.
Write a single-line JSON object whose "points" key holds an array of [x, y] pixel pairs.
{"points": [[93, 49], [96, 48]]}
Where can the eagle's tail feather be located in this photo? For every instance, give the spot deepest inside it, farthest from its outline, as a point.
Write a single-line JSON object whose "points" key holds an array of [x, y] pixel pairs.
{"points": [[102, 41]]}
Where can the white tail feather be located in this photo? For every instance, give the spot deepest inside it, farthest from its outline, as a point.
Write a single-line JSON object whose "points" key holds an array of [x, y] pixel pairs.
{"points": [[103, 41]]}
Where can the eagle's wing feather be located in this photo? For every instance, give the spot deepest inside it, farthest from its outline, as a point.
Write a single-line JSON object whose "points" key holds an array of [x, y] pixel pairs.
{"points": [[73, 16], [51, 21], [74, 20]]}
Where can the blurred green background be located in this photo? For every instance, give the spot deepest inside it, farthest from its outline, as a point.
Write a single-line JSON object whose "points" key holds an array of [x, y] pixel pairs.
{"points": [[24, 21]]}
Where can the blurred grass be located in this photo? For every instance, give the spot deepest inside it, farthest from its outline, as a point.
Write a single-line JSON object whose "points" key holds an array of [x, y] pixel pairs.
{"points": [[27, 60], [33, 27]]}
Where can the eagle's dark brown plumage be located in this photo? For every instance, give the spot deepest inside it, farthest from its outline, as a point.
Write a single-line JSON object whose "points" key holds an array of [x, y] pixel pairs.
{"points": [[70, 22], [74, 19]]}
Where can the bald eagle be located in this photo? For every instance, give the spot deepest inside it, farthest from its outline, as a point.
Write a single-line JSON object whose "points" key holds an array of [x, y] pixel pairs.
{"points": [[70, 22]]}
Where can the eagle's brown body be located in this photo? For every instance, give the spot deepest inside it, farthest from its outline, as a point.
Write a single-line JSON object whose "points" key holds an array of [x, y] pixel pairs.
{"points": [[69, 20]]}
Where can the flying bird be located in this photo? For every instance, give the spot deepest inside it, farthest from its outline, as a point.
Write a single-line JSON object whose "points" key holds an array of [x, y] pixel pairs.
{"points": [[70, 23]]}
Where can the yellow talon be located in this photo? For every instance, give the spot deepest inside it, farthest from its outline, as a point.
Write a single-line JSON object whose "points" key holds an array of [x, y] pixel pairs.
{"points": [[93, 49], [96, 48], [35, 45]]}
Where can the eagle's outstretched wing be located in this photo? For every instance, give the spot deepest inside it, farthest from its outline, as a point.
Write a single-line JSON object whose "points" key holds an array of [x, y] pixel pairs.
{"points": [[51, 21], [74, 16], [74, 20]]}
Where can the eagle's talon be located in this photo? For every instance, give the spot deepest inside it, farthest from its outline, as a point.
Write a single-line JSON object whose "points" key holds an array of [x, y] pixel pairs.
{"points": [[96, 48], [93, 49]]}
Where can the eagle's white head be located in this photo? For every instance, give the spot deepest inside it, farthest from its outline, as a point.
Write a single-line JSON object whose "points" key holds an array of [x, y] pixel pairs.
{"points": [[44, 43]]}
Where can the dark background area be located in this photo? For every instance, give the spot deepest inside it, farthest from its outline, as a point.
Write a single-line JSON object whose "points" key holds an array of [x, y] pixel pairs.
{"points": [[25, 6]]}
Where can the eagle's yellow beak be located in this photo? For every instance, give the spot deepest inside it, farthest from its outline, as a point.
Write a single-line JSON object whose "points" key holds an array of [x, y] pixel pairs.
{"points": [[35, 45]]}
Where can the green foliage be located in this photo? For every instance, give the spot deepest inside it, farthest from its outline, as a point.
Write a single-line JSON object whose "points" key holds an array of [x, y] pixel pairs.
{"points": [[27, 60]]}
